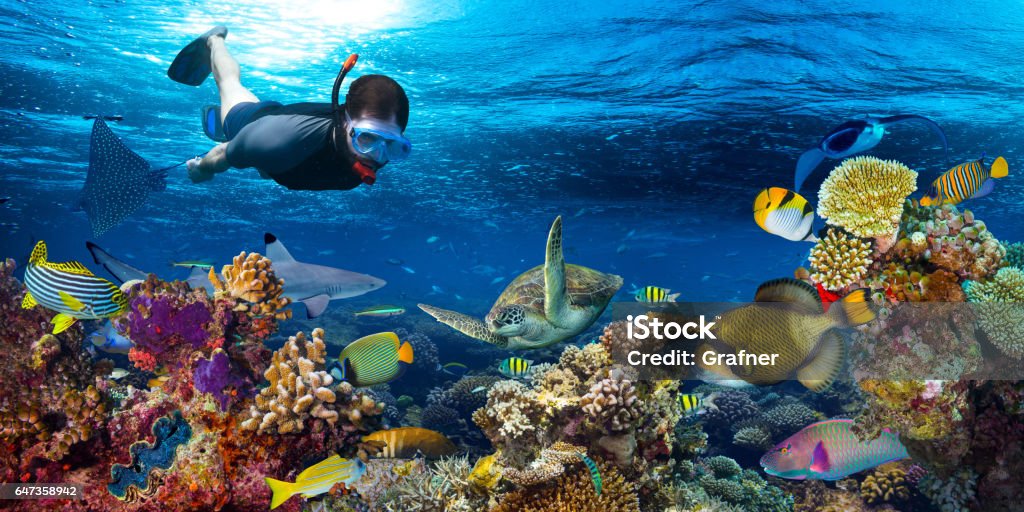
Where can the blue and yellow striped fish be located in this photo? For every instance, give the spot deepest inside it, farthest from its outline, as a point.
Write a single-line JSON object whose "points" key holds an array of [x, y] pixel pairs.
{"points": [[514, 367], [692, 403], [655, 294], [70, 289], [375, 359], [595, 474], [965, 181], [317, 479]]}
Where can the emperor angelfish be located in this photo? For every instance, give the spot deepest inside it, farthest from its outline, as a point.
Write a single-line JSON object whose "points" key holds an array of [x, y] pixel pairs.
{"points": [[788, 319], [785, 213], [70, 289], [968, 180], [829, 450]]}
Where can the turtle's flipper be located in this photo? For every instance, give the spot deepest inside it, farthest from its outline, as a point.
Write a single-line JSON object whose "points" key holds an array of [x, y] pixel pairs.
{"points": [[555, 300], [465, 324]]}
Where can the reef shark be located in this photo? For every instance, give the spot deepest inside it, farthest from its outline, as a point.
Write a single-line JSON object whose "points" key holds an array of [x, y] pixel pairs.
{"points": [[308, 283]]}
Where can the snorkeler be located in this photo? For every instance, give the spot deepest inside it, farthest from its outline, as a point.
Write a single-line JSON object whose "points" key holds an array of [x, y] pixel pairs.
{"points": [[303, 146]]}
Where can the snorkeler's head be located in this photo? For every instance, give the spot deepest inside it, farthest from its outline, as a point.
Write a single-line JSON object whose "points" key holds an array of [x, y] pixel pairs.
{"points": [[379, 97]]}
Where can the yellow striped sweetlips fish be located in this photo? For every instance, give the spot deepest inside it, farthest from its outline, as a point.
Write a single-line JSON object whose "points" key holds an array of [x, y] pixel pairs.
{"points": [[829, 450], [375, 359], [317, 479], [70, 289], [785, 213], [406, 442], [966, 181], [786, 319]]}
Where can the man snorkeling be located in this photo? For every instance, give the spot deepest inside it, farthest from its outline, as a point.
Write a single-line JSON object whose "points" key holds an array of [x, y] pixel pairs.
{"points": [[303, 146]]}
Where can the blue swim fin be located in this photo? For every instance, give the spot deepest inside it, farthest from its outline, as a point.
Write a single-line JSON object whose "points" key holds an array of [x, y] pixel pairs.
{"points": [[192, 64], [806, 165], [212, 125]]}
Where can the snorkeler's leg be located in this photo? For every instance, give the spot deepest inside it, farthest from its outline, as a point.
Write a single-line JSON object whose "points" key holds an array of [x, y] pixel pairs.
{"points": [[215, 161], [228, 76]]}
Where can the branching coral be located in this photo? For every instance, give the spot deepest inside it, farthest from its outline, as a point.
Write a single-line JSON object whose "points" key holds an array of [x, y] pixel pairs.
{"points": [[611, 403], [301, 388], [755, 438], [251, 279], [944, 238], [1001, 314], [575, 491], [839, 260], [864, 196]]}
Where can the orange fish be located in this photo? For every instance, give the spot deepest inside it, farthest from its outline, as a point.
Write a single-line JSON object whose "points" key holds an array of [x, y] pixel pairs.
{"points": [[406, 442]]}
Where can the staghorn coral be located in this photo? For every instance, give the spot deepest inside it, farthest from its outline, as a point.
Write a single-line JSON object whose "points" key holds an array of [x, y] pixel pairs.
{"points": [[574, 491], [445, 487], [251, 278], [865, 195], [1001, 315], [611, 404], [886, 483], [301, 389], [839, 260]]}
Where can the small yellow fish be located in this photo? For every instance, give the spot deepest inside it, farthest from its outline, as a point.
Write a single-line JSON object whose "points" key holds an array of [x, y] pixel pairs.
{"points": [[317, 479], [655, 294], [692, 403], [514, 367], [965, 181], [785, 213]]}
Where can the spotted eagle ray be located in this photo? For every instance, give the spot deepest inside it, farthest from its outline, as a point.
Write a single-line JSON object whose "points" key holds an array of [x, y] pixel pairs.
{"points": [[308, 283], [118, 181]]}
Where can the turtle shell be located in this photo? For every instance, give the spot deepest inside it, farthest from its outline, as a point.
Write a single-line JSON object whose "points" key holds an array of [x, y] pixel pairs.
{"points": [[586, 288]]}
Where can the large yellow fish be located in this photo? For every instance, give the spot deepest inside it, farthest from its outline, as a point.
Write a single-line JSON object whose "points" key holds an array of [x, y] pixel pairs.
{"points": [[787, 319], [965, 181], [406, 442], [785, 213], [317, 479]]}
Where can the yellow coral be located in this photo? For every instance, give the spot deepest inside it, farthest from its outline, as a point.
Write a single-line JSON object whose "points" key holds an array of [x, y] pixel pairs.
{"points": [[839, 260], [885, 484], [250, 278], [864, 196], [299, 388]]}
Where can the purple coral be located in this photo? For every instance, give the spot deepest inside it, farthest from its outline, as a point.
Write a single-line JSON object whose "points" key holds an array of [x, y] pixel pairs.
{"points": [[166, 318], [214, 375]]}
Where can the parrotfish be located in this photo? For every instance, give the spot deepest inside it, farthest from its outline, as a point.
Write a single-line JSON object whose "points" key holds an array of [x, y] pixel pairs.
{"points": [[375, 359], [829, 450], [785, 213], [655, 294], [787, 320], [966, 181], [317, 479], [852, 137], [70, 289], [406, 442]]}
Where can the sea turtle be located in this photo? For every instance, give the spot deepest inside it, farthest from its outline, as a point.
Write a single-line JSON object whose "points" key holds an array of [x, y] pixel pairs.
{"points": [[543, 306]]}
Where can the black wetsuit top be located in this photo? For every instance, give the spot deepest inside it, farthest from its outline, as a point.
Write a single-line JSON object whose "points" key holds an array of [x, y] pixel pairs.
{"points": [[292, 144]]}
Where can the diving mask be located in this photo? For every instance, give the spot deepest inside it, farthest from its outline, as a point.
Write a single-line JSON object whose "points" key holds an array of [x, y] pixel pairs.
{"points": [[376, 140]]}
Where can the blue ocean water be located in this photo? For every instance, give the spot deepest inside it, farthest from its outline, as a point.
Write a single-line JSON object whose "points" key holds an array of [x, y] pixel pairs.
{"points": [[650, 126]]}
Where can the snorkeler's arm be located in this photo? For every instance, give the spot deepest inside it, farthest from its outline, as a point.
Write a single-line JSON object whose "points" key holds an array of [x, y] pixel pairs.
{"points": [[215, 161]]}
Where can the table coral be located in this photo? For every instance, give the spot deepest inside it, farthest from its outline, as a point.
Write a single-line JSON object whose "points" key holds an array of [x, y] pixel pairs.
{"points": [[839, 260], [251, 278], [300, 389], [864, 196]]}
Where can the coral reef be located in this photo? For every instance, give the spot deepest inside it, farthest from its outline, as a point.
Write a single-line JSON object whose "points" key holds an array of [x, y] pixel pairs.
{"points": [[216, 376], [886, 483], [574, 491], [1001, 316], [129, 481], [951, 494], [789, 418], [865, 195], [839, 260], [301, 389], [251, 278], [610, 404]]}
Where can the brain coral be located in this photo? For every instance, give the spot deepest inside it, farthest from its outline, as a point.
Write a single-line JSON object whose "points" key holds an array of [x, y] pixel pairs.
{"points": [[839, 260], [864, 196]]}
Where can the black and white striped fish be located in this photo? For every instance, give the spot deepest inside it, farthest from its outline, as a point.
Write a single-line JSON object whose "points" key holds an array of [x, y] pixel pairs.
{"points": [[70, 289]]}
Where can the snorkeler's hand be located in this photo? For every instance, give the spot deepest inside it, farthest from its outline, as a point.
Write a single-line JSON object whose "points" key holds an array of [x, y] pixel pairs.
{"points": [[195, 173]]}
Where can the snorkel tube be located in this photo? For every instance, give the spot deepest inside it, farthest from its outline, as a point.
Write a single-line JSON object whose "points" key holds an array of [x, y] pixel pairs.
{"points": [[366, 174]]}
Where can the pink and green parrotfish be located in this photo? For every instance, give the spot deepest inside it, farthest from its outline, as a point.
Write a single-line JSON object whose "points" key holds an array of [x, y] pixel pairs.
{"points": [[829, 450]]}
